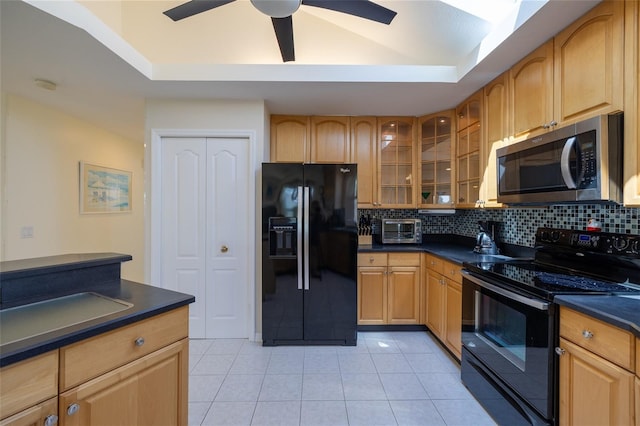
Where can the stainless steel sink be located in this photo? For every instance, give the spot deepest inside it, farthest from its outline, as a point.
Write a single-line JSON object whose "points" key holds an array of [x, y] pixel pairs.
{"points": [[23, 322]]}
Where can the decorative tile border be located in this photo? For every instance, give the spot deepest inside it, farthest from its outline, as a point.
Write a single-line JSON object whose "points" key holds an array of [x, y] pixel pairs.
{"points": [[519, 224]]}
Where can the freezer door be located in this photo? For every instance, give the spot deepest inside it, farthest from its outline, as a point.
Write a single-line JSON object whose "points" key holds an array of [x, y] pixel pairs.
{"points": [[282, 317]]}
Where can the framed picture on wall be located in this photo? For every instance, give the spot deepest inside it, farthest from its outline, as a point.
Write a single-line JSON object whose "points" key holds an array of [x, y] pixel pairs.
{"points": [[104, 190]]}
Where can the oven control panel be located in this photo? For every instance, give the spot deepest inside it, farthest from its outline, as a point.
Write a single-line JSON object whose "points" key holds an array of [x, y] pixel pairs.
{"points": [[600, 242]]}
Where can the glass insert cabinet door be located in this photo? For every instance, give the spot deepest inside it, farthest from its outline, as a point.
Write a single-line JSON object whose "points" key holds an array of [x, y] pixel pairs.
{"points": [[468, 152], [396, 161], [436, 132]]}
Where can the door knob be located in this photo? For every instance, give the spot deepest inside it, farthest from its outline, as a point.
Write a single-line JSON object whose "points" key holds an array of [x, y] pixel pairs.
{"points": [[224, 249]]}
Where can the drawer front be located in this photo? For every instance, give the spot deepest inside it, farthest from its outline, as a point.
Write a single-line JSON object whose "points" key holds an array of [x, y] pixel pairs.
{"points": [[611, 343], [452, 271], [372, 259], [28, 382], [435, 263], [404, 259], [97, 355]]}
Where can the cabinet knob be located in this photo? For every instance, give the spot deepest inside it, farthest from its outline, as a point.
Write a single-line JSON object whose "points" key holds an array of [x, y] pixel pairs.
{"points": [[545, 126], [553, 123], [73, 408], [224, 249], [139, 341], [560, 351], [50, 420], [371, 259], [587, 334]]}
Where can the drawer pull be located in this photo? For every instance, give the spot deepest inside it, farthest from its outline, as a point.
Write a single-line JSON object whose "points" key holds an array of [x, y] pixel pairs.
{"points": [[139, 341], [51, 420], [73, 408], [560, 351], [587, 334], [371, 259]]}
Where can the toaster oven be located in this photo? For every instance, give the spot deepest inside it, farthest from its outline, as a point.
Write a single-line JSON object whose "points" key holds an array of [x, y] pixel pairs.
{"points": [[400, 231]]}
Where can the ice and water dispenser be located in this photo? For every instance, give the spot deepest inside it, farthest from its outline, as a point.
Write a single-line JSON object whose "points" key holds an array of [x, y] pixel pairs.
{"points": [[283, 240]]}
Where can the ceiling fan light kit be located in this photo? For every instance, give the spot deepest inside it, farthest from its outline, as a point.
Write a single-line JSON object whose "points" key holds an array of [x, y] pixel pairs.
{"points": [[281, 12]]}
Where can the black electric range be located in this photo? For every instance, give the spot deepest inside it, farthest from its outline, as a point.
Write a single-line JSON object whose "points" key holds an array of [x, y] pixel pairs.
{"points": [[569, 262], [510, 323]]}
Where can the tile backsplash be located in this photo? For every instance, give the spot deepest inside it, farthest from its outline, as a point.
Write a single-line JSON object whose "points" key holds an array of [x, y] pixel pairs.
{"points": [[518, 224]]}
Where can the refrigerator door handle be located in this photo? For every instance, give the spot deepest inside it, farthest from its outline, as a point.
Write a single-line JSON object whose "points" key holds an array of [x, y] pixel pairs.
{"points": [[306, 238], [300, 254]]}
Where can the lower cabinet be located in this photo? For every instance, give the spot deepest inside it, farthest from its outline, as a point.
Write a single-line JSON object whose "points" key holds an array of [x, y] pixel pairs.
{"points": [[595, 388], [149, 391], [388, 288], [43, 414], [443, 302]]}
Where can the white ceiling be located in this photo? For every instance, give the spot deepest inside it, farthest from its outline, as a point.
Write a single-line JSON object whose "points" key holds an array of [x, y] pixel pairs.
{"points": [[107, 57]]}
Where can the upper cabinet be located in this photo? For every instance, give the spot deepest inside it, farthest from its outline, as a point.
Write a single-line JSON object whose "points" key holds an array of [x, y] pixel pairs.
{"points": [[495, 135], [531, 100], [330, 139], [435, 165], [364, 142], [576, 75], [290, 137], [632, 105], [468, 151], [397, 168], [588, 54]]}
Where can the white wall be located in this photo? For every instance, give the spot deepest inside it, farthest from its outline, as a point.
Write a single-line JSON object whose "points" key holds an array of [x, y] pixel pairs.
{"points": [[237, 117], [43, 147]]}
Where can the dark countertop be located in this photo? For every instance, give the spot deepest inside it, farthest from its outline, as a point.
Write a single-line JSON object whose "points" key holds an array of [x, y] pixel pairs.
{"points": [[12, 269], [622, 312], [147, 301], [456, 249]]}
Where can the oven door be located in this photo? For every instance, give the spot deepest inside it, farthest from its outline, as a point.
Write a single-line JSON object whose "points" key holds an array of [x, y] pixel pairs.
{"points": [[511, 334]]}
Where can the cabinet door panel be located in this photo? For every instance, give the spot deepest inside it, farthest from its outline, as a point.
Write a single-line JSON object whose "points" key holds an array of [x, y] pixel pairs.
{"points": [[404, 295], [330, 140], [453, 326], [364, 144], [435, 303], [290, 139], [593, 391], [531, 100], [588, 75], [372, 295]]}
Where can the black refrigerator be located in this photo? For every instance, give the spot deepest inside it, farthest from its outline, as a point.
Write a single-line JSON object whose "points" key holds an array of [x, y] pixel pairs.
{"points": [[309, 254]]}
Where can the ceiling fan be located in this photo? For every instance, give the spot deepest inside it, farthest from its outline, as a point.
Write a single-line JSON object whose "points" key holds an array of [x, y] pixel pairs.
{"points": [[280, 12]]}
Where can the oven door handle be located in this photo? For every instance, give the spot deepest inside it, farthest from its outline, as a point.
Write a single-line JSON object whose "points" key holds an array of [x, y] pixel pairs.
{"points": [[534, 303]]}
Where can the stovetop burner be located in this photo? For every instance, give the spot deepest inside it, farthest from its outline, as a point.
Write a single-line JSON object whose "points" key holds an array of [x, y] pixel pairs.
{"points": [[569, 261]]}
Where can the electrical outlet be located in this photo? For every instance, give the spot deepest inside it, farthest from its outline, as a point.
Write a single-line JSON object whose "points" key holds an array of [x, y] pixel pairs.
{"points": [[26, 232]]}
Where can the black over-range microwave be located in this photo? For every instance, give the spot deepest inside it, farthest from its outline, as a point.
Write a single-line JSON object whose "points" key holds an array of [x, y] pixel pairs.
{"points": [[581, 162]]}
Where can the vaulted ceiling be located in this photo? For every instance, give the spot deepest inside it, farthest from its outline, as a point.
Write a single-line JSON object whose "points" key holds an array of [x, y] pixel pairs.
{"points": [[107, 57]]}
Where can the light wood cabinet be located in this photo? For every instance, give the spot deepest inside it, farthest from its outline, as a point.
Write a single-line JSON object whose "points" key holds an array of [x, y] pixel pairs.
{"points": [[632, 105], [588, 76], [495, 135], [388, 288], [364, 141], [290, 139], [469, 139], [531, 92], [574, 76], [148, 391], [330, 139], [596, 376], [25, 385], [396, 141], [45, 413], [443, 302], [435, 165]]}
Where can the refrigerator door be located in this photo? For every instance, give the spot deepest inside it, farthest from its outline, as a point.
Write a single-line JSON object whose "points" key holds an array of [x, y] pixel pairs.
{"points": [[330, 305], [282, 253]]}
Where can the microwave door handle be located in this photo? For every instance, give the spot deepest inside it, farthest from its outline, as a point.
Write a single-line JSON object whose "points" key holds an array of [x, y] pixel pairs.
{"points": [[564, 163], [299, 227]]}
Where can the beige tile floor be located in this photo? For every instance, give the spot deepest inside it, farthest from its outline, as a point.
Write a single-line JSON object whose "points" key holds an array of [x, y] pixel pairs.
{"points": [[389, 378]]}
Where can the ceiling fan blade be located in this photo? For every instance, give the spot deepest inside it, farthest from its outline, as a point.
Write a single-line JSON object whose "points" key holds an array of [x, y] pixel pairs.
{"points": [[362, 8], [194, 7], [284, 33]]}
